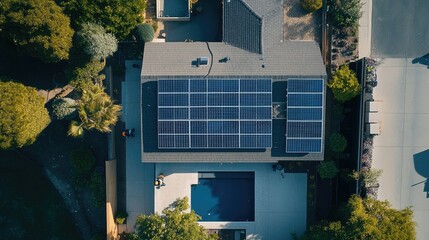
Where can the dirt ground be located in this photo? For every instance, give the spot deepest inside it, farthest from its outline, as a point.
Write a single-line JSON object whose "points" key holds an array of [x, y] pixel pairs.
{"points": [[300, 25]]}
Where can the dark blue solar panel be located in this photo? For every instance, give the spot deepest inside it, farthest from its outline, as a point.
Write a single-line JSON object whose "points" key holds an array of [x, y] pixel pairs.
{"points": [[165, 127], [304, 85], [304, 100], [214, 113], [231, 141], [215, 141], [198, 85], [199, 141], [249, 141], [181, 141], [215, 85], [230, 127], [248, 112], [263, 127], [230, 112], [248, 127], [173, 100], [248, 85], [264, 85], [303, 145], [304, 129], [198, 99], [304, 114], [230, 86], [166, 141], [181, 127], [199, 127], [198, 113], [230, 99], [248, 99], [166, 113]]}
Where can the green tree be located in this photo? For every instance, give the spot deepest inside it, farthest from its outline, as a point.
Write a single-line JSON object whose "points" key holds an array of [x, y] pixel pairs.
{"points": [[344, 84], [346, 13], [327, 170], [96, 42], [116, 16], [311, 5], [338, 143], [144, 33], [37, 26], [174, 223], [23, 115], [366, 219]]}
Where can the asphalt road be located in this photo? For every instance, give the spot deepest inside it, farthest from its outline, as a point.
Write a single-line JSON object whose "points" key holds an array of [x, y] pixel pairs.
{"points": [[400, 28]]}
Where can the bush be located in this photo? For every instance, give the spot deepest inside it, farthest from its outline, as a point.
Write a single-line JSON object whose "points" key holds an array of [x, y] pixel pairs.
{"points": [[98, 190], [82, 161], [120, 217], [144, 33], [327, 170], [64, 108], [346, 13], [344, 84], [338, 142], [311, 5]]}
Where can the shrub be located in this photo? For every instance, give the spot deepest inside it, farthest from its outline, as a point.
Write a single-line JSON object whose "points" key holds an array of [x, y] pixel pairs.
{"points": [[120, 217], [98, 190], [311, 5], [338, 142], [82, 160], [64, 108], [327, 170], [144, 33], [346, 13], [96, 42], [344, 84]]}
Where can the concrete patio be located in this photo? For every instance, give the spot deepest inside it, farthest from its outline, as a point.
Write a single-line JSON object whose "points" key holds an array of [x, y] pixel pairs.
{"points": [[280, 203]]}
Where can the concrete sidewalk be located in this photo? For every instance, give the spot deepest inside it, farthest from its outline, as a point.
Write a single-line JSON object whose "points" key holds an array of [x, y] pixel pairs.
{"points": [[139, 176], [365, 28]]}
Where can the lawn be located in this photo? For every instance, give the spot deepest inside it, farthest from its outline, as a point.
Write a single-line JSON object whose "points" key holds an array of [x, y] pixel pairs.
{"points": [[30, 207]]}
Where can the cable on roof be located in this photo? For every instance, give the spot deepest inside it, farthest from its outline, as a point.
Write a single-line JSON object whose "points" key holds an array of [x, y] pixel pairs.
{"points": [[211, 60]]}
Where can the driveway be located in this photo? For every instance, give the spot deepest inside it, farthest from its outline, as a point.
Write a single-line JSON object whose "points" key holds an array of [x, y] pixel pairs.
{"points": [[402, 148], [400, 28]]}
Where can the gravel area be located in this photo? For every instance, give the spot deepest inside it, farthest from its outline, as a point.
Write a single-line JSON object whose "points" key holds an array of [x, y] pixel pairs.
{"points": [[300, 25]]}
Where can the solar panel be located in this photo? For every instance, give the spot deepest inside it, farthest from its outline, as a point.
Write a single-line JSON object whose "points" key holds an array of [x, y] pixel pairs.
{"points": [[304, 124], [214, 113]]}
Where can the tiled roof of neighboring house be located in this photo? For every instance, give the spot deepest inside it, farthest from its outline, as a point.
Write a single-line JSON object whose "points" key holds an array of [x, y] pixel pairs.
{"points": [[292, 58], [253, 25]]}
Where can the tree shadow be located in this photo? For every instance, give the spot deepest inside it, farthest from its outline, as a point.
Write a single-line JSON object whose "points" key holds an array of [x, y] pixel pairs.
{"points": [[424, 60], [421, 164]]}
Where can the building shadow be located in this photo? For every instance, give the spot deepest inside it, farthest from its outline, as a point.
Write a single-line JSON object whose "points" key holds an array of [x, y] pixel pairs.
{"points": [[424, 60], [421, 164]]}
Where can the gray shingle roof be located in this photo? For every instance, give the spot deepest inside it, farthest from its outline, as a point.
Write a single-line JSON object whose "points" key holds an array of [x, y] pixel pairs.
{"points": [[253, 25], [291, 58]]}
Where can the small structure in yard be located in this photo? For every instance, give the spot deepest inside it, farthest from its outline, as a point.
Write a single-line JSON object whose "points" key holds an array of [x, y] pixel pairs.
{"points": [[173, 10]]}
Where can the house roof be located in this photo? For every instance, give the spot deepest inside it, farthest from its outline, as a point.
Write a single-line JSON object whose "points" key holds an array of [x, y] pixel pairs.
{"points": [[292, 58], [253, 25]]}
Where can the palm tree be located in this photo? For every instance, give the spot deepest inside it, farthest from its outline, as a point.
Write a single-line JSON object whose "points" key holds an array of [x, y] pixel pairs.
{"points": [[96, 110]]}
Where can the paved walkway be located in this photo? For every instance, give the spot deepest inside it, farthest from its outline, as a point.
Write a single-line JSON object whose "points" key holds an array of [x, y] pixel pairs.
{"points": [[139, 176], [365, 28]]}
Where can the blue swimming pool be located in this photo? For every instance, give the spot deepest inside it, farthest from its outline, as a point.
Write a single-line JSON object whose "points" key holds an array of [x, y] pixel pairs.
{"points": [[224, 196]]}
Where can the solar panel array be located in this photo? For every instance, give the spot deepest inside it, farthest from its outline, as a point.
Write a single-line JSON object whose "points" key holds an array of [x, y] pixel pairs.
{"points": [[304, 125], [214, 113]]}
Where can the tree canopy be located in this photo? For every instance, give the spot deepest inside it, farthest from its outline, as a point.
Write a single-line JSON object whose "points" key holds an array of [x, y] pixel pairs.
{"points": [[366, 219], [38, 27], [144, 33], [346, 13], [327, 169], [96, 42], [344, 84], [23, 115], [174, 223], [337, 143], [116, 16]]}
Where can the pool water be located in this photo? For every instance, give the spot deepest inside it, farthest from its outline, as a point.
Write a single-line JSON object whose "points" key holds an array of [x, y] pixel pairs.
{"points": [[224, 196]]}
